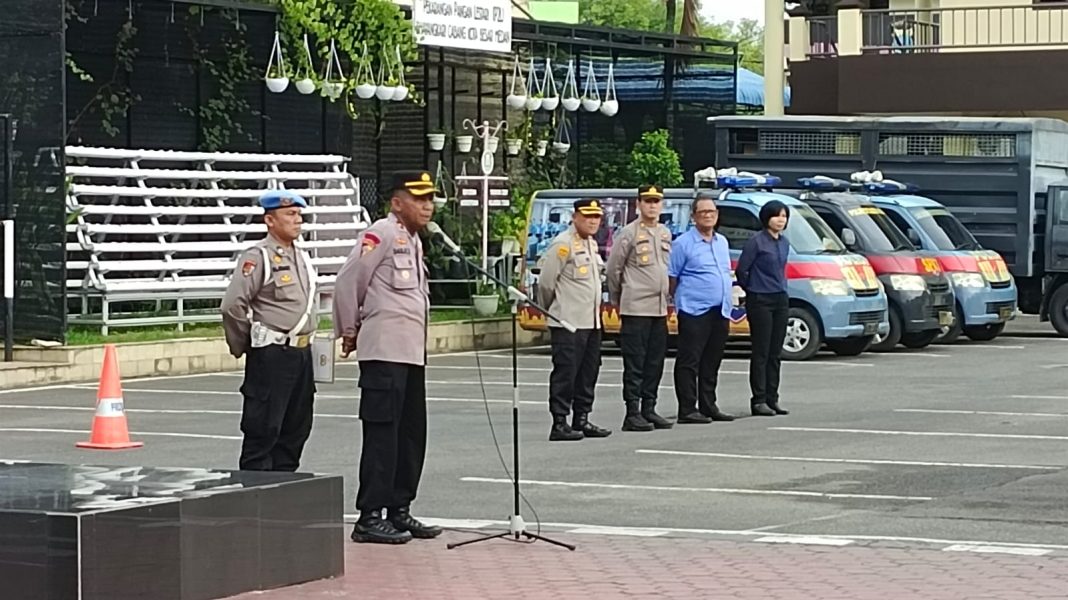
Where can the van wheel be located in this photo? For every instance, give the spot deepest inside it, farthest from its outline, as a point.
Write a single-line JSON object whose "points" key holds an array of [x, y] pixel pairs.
{"points": [[984, 333], [920, 339], [1058, 310], [887, 342], [803, 336], [952, 333], [850, 346]]}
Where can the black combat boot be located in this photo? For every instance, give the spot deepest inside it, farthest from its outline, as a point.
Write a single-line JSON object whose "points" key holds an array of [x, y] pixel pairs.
{"points": [[635, 421], [372, 528], [402, 520], [562, 432], [762, 410], [581, 423], [649, 414]]}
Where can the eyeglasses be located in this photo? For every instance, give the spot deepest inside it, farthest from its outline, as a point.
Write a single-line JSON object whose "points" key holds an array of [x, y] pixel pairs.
{"points": [[707, 212]]}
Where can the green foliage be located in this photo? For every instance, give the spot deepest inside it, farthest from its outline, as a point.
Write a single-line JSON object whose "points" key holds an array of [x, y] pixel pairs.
{"points": [[113, 98], [653, 160], [363, 30], [605, 165]]}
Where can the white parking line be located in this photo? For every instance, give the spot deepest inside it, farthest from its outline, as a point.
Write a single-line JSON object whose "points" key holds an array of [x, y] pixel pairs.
{"points": [[996, 413], [804, 539], [668, 488], [321, 396], [854, 461], [988, 347], [160, 411], [1009, 436], [1031, 397], [132, 433], [996, 550]]}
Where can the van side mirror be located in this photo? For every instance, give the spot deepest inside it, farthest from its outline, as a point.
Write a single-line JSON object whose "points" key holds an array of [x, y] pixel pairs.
{"points": [[849, 238], [914, 237]]}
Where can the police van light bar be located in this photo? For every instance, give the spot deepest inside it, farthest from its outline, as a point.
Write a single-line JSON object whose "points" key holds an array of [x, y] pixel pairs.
{"points": [[745, 179], [824, 184], [889, 186], [866, 177]]}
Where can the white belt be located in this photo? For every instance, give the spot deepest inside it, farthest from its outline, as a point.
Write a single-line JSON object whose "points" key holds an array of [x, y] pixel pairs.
{"points": [[265, 336]]}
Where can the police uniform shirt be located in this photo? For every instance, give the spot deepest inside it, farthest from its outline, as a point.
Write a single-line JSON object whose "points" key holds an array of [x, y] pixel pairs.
{"points": [[278, 304], [637, 270], [382, 295], [569, 283]]}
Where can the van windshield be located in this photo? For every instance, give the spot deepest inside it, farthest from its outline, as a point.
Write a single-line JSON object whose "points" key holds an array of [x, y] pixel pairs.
{"points": [[809, 234], [878, 231], [947, 232]]}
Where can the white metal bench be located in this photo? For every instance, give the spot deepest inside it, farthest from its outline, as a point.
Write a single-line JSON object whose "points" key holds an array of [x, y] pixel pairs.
{"points": [[168, 226]]}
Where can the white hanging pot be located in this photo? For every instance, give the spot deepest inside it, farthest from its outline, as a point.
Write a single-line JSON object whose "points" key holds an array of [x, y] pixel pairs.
{"points": [[400, 93], [492, 144], [439, 201], [366, 90], [570, 98], [548, 88], [571, 104], [516, 102], [513, 146], [385, 92], [277, 67], [463, 143], [543, 145], [591, 96], [561, 147], [591, 104], [333, 89], [277, 84], [305, 86], [550, 104], [534, 91], [610, 108], [533, 103], [436, 140]]}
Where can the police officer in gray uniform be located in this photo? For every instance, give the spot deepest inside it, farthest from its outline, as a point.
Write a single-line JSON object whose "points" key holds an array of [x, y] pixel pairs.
{"points": [[381, 306], [569, 286], [638, 284], [268, 314]]}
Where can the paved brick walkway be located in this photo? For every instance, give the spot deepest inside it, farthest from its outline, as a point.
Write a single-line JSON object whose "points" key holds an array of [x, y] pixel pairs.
{"points": [[664, 567]]}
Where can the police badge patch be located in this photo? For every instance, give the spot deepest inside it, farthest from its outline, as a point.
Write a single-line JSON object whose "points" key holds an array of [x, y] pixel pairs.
{"points": [[248, 267]]}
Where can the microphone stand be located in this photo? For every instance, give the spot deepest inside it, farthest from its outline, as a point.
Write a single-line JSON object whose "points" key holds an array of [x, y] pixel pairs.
{"points": [[516, 526]]}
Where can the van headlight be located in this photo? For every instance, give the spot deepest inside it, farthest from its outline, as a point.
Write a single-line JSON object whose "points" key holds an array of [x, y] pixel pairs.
{"points": [[968, 280], [908, 283], [830, 287]]}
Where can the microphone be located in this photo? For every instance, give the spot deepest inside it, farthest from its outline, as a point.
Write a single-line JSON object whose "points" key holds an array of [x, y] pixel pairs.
{"points": [[438, 234]]}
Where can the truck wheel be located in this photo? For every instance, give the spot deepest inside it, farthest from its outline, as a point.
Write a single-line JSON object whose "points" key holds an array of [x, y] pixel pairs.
{"points": [[952, 333], [919, 339], [984, 333], [853, 346], [1058, 310], [890, 340], [803, 337]]}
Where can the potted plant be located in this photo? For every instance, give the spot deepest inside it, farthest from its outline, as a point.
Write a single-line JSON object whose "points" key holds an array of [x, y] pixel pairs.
{"points": [[276, 77], [542, 146], [333, 76], [492, 144], [570, 98], [365, 82], [304, 83], [485, 299], [513, 146], [514, 100], [436, 139], [463, 143], [610, 106], [591, 96]]}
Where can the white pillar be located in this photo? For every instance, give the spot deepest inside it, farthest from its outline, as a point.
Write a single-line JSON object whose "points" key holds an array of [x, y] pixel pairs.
{"points": [[774, 41]]}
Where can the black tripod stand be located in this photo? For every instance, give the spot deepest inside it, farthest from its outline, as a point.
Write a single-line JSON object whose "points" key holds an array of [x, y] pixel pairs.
{"points": [[516, 526]]}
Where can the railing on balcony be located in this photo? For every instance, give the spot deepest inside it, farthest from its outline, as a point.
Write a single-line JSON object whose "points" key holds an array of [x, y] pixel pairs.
{"points": [[959, 28], [823, 36]]}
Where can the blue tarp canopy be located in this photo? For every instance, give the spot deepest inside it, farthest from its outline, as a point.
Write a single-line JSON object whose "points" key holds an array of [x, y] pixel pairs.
{"points": [[643, 81]]}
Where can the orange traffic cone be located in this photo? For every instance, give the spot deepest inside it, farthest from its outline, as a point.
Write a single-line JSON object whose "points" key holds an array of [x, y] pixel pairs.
{"points": [[109, 424]]}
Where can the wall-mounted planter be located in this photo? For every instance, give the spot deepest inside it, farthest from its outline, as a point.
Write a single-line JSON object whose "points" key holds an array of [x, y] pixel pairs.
{"points": [[436, 141]]}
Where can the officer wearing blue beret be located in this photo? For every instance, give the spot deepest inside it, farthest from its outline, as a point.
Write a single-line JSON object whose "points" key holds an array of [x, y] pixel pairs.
{"points": [[268, 315]]}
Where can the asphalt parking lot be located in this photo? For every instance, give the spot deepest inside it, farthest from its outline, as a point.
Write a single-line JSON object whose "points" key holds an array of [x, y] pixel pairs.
{"points": [[953, 444]]}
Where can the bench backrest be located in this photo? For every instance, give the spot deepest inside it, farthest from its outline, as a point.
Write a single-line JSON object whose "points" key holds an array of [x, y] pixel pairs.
{"points": [[168, 221]]}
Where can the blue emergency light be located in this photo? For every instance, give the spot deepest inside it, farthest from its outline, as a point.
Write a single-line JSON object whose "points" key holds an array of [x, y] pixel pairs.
{"points": [[889, 186], [822, 183], [747, 180]]}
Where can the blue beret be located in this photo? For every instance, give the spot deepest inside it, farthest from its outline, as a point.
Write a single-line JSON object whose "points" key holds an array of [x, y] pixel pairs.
{"points": [[281, 198]]}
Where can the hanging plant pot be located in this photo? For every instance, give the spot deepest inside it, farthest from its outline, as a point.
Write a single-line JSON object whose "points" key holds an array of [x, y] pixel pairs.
{"points": [[366, 90], [333, 83], [570, 98], [542, 146], [436, 141], [513, 146], [551, 96], [591, 104], [517, 97], [304, 83], [385, 92], [276, 77], [439, 201], [533, 104], [305, 86], [610, 106], [463, 143], [591, 96], [333, 89], [534, 91], [516, 102], [561, 147], [492, 144], [562, 143], [400, 93]]}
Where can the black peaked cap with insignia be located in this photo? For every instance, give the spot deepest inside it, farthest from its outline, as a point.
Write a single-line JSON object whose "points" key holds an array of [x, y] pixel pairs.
{"points": [[590, 207], [416, 183], [650, 191]]}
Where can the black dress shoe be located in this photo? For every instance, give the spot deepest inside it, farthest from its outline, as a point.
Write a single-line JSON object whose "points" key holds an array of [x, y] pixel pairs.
{"points": [[777, 409], [581, 423], [762, 410], [562, 432], [657, 421], [402, 520], [636, 423], [719, 416], [693, 418], [373, 529]]}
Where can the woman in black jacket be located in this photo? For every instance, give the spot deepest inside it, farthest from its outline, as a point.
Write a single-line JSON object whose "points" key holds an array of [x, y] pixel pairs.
{"points": [[761, 273]]}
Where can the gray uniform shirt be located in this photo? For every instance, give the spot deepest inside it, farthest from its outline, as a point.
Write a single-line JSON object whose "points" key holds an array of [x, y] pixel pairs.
{"points": [[569, 283], [637, 270], [382, 295], [279, 304]]}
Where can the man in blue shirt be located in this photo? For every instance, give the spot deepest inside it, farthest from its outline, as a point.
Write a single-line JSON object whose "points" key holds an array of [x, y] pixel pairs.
{"points": [[700, 281]]}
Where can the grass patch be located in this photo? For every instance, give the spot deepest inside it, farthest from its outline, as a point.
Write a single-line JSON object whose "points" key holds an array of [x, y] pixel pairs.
{"points": [[88, 336]]}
